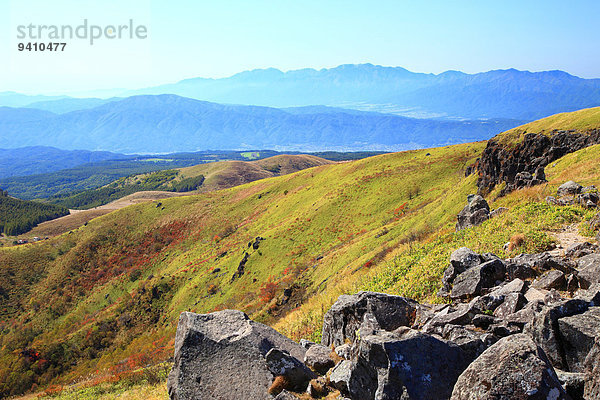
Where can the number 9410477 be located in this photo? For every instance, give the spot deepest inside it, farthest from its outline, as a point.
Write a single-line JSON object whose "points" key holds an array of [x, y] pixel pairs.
{"points": [[50, 46]]}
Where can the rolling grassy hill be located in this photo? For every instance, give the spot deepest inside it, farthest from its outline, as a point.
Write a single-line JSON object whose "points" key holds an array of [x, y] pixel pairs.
{"points": [[201, 178], [103, 301]]}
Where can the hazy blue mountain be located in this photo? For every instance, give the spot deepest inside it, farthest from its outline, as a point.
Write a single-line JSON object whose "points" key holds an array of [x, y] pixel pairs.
{"points": [[494, 94], [40, 159], [12, 99], [61, 106], [168, 123]]}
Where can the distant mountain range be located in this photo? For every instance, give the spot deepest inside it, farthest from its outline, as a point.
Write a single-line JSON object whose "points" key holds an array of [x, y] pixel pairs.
{"points": [[495, 94], [508, 94], [169, 123]]}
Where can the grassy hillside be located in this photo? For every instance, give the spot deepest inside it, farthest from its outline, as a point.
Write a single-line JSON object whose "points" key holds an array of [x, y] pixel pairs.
{"points": [[107, 297], [202, 177], [582, 121], [98, 304]]}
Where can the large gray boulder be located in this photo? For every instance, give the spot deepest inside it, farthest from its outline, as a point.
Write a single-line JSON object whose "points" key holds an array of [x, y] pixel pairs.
{"points": [[589, 270], [512, 369], [412, 365], [512, 303], [460, 260], [281, 363], [552, 279], [366, 311], [526, 266], [569, 188], [222, 356], [544, 328], [579, 250], [354, 379], [318, 357], [474, 281], [592, 373], [475, 213], [578, 334]]}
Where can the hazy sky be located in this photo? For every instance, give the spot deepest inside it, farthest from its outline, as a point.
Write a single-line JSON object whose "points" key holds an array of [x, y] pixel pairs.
{"points": [[217, 38]]}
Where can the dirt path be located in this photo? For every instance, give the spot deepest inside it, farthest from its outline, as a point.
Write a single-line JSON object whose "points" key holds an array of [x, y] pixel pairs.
{"points": [[568, 236]]}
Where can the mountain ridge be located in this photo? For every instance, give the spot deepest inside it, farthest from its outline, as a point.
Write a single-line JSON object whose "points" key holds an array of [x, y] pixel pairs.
{"points": [[171, 123], [498, 93]]}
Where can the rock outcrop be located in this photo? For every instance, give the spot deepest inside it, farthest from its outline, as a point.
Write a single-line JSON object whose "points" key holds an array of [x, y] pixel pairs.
{"points": [[475, 212], [522, 165], [365, 313]]}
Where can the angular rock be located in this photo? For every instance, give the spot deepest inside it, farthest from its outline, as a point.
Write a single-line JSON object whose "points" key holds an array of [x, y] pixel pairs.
{"points": [[572, 382], [318, 358], [588, 200], [527, 266], [512, 303], [545, 331], [461, 316], [526, 315], [281, 363], [498, 211], [553, 201], [552, 297], [369, 311], [475, 280], [590, 295], [579, 250], [572, 283], [552, 279], [460, 260], [306, 343], [513, 368], [589, 270], [464, 258], [412, 365], [592, 373], [483, 321], [354, 379], [487, 303], [344, 351], [475, 213], [534, 294], [569, 188], [472, 342], [221, 356], [578, 334], [515, 286], [285, 395]]}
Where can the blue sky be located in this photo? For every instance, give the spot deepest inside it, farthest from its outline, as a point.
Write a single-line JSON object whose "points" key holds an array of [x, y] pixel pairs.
{"points": [[191, 38]]}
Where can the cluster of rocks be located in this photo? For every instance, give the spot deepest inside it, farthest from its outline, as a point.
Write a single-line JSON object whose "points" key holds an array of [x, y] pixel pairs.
{"points": [[570, 193], [521, 328], [523, 165], [476, 212]]}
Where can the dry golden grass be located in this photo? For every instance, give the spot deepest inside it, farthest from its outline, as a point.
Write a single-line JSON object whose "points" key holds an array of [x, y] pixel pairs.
{"points": [[516, 241], [581, 120]]}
